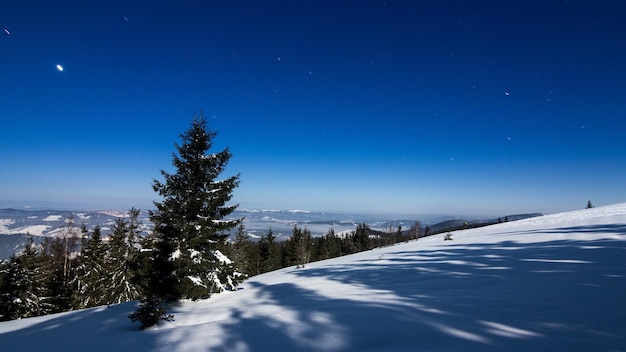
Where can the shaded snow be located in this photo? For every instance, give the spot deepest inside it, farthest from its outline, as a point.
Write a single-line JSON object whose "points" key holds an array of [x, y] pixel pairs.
{"points": [[550, 283]]}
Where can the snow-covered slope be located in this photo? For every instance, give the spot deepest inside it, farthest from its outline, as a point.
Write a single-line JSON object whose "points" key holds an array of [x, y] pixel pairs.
{"points": [[555, 282]]}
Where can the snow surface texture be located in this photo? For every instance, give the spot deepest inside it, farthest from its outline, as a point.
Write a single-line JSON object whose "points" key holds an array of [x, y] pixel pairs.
{"points": [[553, 283]]}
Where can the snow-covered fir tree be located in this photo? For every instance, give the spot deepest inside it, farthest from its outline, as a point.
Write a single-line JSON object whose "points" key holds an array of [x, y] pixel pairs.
{"points": [[91, 271], [120, 282], [190, 229], [23, 287]]}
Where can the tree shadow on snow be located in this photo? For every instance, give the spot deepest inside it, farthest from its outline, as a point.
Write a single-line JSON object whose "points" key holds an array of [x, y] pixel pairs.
{"points": [[87, 327], [558, 295]]}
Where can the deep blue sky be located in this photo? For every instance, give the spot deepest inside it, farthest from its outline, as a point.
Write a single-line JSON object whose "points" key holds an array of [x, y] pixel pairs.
{"points": [[414, 107]]}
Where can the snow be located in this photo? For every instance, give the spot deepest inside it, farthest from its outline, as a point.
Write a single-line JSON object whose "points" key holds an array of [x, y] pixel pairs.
{"points": [[175, 255], [221, 257], [115, 213], [35, 230], [196, 280], [549, 283], [4, 223], [83, 216]]}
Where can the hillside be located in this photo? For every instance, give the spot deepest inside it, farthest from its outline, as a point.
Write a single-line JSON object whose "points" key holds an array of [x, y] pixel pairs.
{"points": [[17, 224], [554, 282]]}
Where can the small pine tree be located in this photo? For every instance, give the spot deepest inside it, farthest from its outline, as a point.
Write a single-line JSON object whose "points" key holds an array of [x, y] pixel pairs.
{"points": [[299, 247], [589, 205], [150, 312], [240, 250], [269, 253]]}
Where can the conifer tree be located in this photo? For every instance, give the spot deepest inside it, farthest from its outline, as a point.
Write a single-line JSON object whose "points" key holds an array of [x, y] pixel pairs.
{"points": [[23, 287], [120, 279], [334, 243], [240, 250], [361, 238], [299, 247], [321, 249], [269, 253], [189, 221], [89, 285]]}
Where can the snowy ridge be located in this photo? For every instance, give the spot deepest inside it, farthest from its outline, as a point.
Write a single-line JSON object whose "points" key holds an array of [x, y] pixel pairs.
{"points": [[555, 282]]}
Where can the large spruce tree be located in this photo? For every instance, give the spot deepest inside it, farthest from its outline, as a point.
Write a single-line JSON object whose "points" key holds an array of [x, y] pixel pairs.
{"points": [[190, 228]]}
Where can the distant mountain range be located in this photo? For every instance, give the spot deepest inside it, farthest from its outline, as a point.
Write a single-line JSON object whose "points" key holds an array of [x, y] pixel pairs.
{"points": [[17, 224]]}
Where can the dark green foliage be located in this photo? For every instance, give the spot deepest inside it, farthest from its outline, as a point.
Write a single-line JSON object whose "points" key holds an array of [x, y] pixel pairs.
{"points": [[120, 281], [90, 272], [298, 247], [150, 312], [321, 250], [239, 251], [270, 255], [22, 288], [301, 248], [361, 238], [189, 225]]}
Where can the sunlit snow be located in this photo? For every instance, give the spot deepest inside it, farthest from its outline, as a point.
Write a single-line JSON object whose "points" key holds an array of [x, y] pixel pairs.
{"points": [[53, 218]]}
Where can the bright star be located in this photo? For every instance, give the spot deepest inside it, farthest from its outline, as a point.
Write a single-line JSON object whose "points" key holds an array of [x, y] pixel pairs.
{"points": [[60, 68]]}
